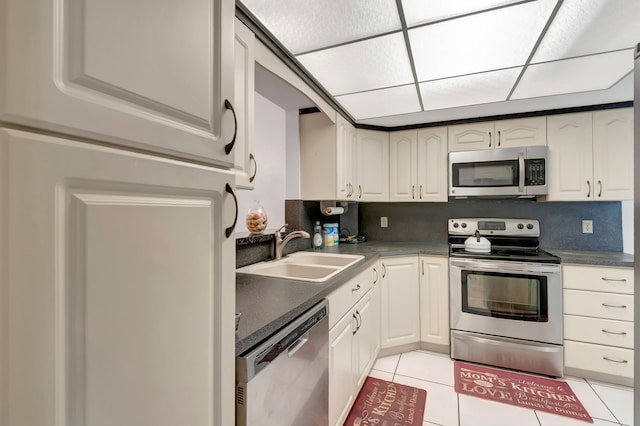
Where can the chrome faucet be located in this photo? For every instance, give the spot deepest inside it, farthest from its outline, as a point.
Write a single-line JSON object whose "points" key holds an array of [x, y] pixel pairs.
{"points": [[280, 242]]}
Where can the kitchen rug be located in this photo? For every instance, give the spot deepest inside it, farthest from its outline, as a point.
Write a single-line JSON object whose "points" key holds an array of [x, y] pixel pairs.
{"points": [[522, 390], [385, 403]]}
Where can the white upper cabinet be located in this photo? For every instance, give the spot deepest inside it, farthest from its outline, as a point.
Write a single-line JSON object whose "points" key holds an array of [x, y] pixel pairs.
{"points": [[245, 163], [518, 132], [372, 151], [418, 165], [591, 155], [153, 75], [346, 161]]}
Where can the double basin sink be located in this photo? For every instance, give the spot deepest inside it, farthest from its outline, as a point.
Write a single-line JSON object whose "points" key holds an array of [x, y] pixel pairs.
{"points": [[303, 266]]}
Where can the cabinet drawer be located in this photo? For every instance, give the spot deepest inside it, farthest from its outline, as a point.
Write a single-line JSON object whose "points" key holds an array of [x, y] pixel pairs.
{"points": [[598, 278], [597, 358], [600, 331], [598, 305], [344, 298]]}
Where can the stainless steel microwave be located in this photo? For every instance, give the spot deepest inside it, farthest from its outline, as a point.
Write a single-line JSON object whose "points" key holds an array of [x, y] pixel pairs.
{"points": [[501, 172]]}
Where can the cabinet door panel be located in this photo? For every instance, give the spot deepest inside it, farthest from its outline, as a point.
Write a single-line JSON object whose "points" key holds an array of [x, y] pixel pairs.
{"points": [[432, 164], [599, 359], [613, 154], [569, 137], [599, 331], [530, 131], [244, 79], [341, 370], [152, 75], [467, 137], [600, 305], [434, 300], [116, 286], [403, 166], [598, 278], [373, 165], [400, 301]]}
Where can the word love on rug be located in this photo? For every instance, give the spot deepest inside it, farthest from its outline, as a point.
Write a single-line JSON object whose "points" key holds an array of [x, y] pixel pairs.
{"points": [[386, 403], [522, 390]]}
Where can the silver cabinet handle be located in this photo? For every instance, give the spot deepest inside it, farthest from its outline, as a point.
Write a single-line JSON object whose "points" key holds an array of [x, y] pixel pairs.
{"points": [[230, 229], [384, 270], [489, 139], [618, 280], [356, 288], [589, 191], [610, 305], [617, 333], [413, 192], [498, 137], [422, 264], [357, 325], [359, 191], [619, 361], [377, 276], [420, 192]]}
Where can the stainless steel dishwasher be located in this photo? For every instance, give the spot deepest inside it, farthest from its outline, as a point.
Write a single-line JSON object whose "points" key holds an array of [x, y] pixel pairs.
{"points": [[285, 381]]}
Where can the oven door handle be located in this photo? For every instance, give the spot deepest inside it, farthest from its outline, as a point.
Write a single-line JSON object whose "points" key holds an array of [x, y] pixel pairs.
{"points": [[474, 265], [521, 172]]}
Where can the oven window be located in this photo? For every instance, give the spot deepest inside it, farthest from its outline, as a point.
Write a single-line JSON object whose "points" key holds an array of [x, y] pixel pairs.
{"points": [[511, 296], [485, 174]]}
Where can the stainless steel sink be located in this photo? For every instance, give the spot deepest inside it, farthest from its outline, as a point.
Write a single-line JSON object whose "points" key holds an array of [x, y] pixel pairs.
{"points": [[304, 266]]}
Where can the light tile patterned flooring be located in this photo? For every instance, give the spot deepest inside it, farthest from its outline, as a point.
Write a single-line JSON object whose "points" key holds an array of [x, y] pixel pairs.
{"points": [[607, 404]]}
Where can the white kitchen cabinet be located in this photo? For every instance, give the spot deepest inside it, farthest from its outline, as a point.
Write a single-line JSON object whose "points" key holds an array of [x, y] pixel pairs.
{"points": [[245, 164], [372, 165], [434, 301], [153, 75], [517, 132], [418, 165], [598, 322], [399, 301], [327, 158], [591, 155], [354, 340], [116, 304]]}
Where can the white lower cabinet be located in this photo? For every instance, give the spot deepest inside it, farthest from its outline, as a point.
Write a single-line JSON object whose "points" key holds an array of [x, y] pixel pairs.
{"points": [[114, 302], [434, 301], [354, 340], [598, 322], [400, 301]]}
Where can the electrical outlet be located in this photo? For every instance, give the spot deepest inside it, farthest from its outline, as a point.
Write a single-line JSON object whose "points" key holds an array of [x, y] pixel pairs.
{"points": [[587, 227], [384, 222]]}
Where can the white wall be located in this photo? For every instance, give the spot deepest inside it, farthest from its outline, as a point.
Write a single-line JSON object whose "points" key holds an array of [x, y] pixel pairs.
{"points": [[270, 150]]}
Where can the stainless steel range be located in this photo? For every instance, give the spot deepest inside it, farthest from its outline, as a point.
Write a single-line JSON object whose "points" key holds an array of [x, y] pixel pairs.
{"points": [[505, 295]]}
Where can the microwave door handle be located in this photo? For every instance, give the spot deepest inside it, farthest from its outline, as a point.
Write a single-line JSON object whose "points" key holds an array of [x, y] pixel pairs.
{"points": [[521, 172]]}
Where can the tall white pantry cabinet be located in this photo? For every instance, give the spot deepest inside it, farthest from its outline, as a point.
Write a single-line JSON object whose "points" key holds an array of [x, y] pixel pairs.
{"points": [[117, 127]]}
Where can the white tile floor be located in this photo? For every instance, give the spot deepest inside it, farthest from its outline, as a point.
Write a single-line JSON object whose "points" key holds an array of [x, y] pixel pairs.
{"points": [[608, 405]]}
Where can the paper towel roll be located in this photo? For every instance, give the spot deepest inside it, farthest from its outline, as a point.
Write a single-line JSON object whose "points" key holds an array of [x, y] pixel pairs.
{"points": [[332, 211]]}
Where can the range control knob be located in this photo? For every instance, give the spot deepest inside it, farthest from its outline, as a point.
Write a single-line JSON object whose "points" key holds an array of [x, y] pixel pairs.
{"points": [[464, 225], [455, 224], [530, 226], [520, 226]]}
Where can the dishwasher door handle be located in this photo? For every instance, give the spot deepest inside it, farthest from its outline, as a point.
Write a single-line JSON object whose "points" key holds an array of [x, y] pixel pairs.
{"points": [[295, 346]]}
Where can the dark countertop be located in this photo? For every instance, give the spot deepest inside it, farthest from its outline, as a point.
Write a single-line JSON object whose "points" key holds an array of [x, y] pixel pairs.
{"points": [[268, 304], [596, 258]]}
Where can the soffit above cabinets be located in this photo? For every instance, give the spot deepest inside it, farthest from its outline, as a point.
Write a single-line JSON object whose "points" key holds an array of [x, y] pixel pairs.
{"points": [[403, 62]]}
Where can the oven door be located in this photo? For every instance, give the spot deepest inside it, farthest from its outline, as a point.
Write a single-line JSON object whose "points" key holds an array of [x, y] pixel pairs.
{"points": [[508, 299]]}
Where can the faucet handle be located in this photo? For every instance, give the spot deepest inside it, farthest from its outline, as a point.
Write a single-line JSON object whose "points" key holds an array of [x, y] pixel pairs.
{"points": [[282, 228]]}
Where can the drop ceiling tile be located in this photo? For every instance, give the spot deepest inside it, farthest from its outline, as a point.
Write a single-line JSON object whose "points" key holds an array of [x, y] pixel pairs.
{"points": [[305, 25], [582, 74], [383, 102], [584, 27], [502, 38], [474, 89], [370, 64], [418, 12]]}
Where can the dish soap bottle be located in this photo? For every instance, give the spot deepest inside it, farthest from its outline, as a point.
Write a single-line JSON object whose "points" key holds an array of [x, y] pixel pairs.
{"points": [[317, 236]]}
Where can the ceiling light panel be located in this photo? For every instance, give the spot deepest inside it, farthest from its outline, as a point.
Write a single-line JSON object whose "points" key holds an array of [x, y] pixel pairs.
{"points": [[502, 38], [370, 64], [305, 25], [380, 103], [569, 75], [418, 12], [583, 27], [474, 89]]}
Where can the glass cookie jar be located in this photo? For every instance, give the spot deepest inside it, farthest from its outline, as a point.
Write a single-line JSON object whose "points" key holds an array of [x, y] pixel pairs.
{"points": [[256, 219]]}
